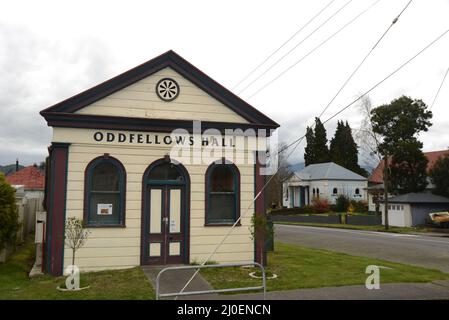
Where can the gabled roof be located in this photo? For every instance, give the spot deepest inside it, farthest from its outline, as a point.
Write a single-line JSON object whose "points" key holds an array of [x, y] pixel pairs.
{"points": [[30, 177], [377, 174], [328, 171], [62, 113], [422, 197]]}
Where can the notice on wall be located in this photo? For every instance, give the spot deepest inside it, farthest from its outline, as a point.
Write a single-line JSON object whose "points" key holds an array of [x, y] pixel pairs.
{"points": [[172, 225], [104, 209]]}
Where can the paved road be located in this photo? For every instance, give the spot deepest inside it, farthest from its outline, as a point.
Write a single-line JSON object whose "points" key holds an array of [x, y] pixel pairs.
{"points": [[420, 250]]}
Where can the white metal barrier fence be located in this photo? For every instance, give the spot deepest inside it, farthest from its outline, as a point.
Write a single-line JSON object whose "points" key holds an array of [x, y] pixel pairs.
{"points": [[189, 293]]}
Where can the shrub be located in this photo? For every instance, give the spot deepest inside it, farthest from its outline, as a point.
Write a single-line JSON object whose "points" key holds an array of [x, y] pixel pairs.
{"points": [[342, 203], [9, 216], [360, 206], [320, 205], [287, 211]]}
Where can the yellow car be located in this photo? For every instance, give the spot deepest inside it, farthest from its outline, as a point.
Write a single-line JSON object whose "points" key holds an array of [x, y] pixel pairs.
{"points": [[440, 219]]}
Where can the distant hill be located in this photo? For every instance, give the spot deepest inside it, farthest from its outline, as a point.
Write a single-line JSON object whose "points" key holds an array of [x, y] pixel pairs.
{"points": [[297, 166], [10, 168]]}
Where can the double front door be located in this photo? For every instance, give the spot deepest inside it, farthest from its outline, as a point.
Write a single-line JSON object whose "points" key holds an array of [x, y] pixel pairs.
{"points": [[165, 230]]}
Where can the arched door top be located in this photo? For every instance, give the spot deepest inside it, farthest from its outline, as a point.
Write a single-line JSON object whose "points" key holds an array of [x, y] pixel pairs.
{"points": [[165, 171]]}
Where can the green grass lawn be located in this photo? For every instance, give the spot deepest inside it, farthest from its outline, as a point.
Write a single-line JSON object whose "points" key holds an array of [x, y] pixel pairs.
{"points": [[298, 267], [119, 284]]}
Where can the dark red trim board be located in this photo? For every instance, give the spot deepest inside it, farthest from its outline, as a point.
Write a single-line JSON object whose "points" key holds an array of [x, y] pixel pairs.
{"points": [[260, 210], [56, 208]]}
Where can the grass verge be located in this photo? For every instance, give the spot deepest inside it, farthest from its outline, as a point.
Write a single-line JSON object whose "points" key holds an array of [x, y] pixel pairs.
{"points": [[355, 227], [110, 285], [298, 267]]}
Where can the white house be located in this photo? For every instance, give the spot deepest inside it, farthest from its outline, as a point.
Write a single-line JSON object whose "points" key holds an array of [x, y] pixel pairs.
{"points": [[325, 181]]}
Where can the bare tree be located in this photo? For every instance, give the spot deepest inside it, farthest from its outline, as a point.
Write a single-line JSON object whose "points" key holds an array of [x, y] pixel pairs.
{"points": [[369, 142], [274, 192], [365, 136], [75, 235]]}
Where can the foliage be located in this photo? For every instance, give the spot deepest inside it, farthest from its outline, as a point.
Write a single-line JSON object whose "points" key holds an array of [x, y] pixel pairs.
{"points": [[320, 205], [309, 155], [399, 123], [287, 211], [259, 223], [75, 235], [359, 206], [439, 176], [344, 150], [342, 203], [9, 217], [316, 150], [408, 170]]}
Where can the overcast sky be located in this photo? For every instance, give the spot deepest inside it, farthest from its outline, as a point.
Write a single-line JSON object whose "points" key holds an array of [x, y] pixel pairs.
{"points": [[51, 50]]}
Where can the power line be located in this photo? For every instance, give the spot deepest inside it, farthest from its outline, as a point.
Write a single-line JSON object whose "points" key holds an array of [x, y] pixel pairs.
{"points": [[377, 84], [364, 59], [297, 45], [439, 89], [298, 141], [391, 74], [314, 49], [282, 45]]}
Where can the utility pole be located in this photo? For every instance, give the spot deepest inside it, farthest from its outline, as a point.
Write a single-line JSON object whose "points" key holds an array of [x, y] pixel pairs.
{"points": [[386, 192]]}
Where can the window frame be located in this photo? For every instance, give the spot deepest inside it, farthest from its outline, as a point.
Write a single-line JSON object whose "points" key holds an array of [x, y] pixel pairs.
{"points": [[88, 192], [237, 188]]}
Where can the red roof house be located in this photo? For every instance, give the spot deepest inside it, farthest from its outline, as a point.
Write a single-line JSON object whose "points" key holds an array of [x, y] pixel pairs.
{"points": [[377, 174], [30, 177]]}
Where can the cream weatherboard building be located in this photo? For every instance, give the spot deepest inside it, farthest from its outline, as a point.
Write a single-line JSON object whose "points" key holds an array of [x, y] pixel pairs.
{"points": [[159, 162]]}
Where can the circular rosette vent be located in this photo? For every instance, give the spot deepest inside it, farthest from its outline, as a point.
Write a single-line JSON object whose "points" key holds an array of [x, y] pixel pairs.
{"points": [[167, 89]]}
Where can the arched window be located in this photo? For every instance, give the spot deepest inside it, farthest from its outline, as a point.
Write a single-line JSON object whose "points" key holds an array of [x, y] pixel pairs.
{"points": [[104, 197], [335, 191], [165, 171], [222, 194], [357, 191], [313, 190]]}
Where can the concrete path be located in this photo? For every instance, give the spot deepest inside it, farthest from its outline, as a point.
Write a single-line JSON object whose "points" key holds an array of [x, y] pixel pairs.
{"points": [[174, 281], [427, 251]]}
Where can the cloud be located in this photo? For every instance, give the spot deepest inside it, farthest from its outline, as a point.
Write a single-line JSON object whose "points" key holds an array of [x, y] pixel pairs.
{"points": [[36, 73]]}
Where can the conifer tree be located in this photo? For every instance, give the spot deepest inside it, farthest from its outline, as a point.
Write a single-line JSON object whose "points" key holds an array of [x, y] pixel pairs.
{"points": [[344, 150], [309, 155], [321, 149]]}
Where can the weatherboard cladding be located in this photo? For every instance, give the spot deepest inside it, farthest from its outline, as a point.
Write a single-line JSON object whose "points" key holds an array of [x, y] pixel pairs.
{"points": [[110, 248]]}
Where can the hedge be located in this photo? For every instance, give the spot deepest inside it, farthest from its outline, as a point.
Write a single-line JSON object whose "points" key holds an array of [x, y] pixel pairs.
{"points": [[9, 216]]}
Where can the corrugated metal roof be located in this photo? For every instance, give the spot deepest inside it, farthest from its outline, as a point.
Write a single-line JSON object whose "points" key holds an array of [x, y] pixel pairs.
{"points": [[422, 197], [328, 171]]}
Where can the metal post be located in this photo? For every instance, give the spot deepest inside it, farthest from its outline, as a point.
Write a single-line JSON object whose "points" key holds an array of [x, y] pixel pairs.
{"points": [[182, 293]]}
